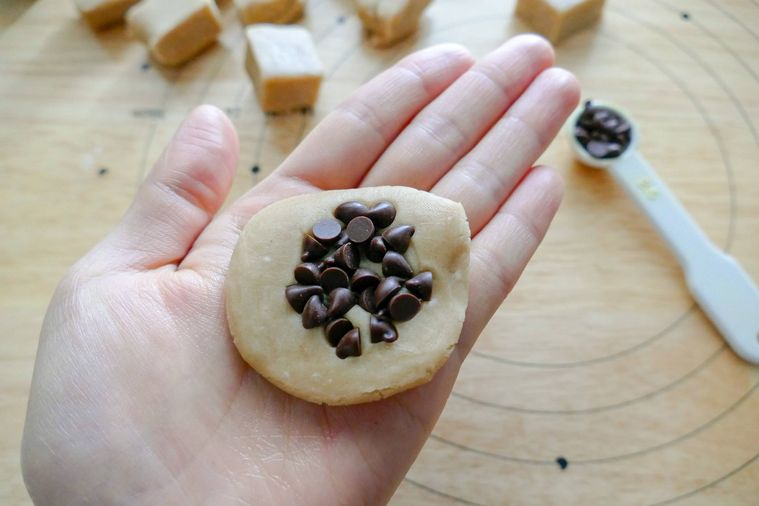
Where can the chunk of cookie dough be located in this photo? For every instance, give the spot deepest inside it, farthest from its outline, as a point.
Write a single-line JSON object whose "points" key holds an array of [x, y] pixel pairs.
{"points": [[283, 64], [558, 19], [311, 313], [269, 11], [175, 30], [389, 21], [103, 13]]}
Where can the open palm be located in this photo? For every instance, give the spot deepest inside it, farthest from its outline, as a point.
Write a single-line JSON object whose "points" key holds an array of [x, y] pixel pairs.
{"points": [[139, 395]]}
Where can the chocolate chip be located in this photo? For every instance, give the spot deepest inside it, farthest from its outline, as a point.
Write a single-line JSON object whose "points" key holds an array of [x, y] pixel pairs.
{"points": [[312, 249], [581, 134], [376, 250], [404, 306], [327, 262], [614, 148], [347, 211], [336, 329], [343, 239], [314, 313], [307, 274], [349, 345], [395, 264], [622, 128], [360, 229], [364, 278], [327, 231], [603, 132], [382, 214], [381, 330], [298, 295], [597, 149], [421, 285], [333, 277], [366, 300], [348, 256], [386, 289], [398, 238], [341, 300]]}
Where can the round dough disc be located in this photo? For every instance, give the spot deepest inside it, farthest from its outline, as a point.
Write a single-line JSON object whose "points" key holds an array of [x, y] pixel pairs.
{"points": [[269, 334]]}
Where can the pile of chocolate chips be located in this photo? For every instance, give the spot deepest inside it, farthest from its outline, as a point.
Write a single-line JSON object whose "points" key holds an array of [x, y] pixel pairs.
{"points": [[330, 280], [602, 131]]}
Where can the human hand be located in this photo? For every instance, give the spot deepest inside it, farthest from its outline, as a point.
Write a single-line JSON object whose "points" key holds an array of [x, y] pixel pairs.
{"points": [[139, 395]]}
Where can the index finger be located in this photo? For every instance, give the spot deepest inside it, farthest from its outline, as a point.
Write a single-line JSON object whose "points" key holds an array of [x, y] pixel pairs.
{"points": [[342, 148]]}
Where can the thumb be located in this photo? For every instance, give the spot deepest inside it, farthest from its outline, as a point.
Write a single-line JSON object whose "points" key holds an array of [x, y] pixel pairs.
{"points": [[179, 197]]}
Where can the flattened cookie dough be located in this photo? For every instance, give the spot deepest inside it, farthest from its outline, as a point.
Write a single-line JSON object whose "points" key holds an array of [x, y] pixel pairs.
{"points": [[350, 296]]}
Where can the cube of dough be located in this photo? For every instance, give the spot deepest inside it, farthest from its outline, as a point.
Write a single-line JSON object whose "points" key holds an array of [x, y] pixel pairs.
{"points": [[269, 11], [175, 30], [284, 67], [102, 13], [388, 21], [557, 19]]}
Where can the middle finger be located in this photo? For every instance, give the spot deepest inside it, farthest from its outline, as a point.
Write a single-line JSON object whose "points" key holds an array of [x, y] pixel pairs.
{"points": [[453, 123]]}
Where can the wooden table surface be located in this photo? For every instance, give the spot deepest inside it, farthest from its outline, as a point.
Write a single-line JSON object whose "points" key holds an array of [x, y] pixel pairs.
{"points": [[598, 360]]}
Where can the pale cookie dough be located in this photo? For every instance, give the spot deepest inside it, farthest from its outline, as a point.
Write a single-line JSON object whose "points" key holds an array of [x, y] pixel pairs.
{"points": [[269, 11], [103, 13], [389, 21], [284, 66], [270, 335], [175, 30], [557, 19]]}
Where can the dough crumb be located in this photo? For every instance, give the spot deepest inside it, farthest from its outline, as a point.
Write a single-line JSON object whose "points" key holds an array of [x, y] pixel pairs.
{"points": [[284, 66], [389, 21], [558, 19], [101, 14], [175, 30], [269, 11]]}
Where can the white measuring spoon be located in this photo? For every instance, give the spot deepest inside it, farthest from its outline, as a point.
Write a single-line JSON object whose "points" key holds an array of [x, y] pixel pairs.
{"points": [[716, 280]]}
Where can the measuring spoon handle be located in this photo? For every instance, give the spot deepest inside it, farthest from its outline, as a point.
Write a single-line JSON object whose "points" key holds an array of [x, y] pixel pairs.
{"points": [[725, 291]]}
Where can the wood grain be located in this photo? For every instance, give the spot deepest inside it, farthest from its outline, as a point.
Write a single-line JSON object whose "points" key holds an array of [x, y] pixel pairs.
{"points": [[598, 357]]}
